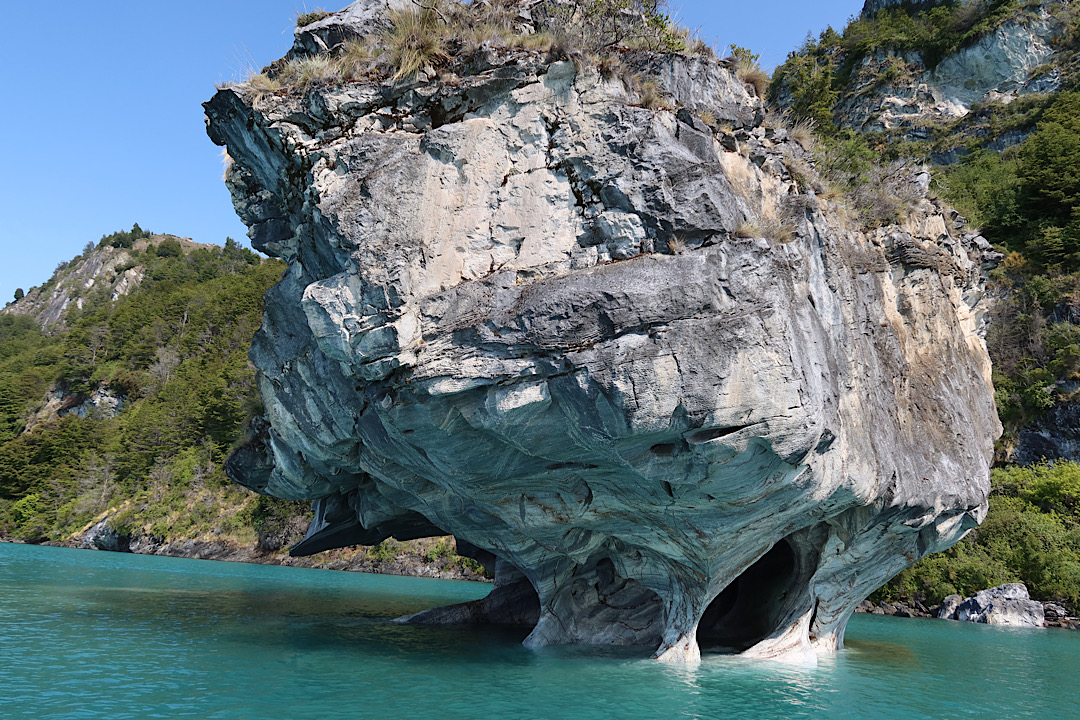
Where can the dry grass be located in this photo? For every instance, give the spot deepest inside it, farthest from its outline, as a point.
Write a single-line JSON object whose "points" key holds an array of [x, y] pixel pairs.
{"points": [[708, 117], [226, 162], [676, 244], [649, 95], [608, 65], [802, 132], [356, 59], [307, 72], [778, 231], [755, 77], [415, 41], [748, 230]]}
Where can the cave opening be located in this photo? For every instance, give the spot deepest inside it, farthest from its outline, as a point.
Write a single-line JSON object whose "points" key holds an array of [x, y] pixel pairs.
{"points": [[748, 609]]}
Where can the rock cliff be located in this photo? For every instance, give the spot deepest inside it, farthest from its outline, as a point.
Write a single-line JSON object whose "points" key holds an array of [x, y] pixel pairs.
{"points": [[903, 91], [621, 347]]}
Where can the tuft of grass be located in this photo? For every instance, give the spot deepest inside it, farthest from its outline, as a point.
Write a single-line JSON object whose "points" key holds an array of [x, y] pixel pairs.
{"points": [[539, 41], [356, 59], [802, 132], [649, 95], [306, 72], [305, 19], [415, 40], [755, 77], [609, 65], [676, 244], [747, 230], [226, 163]]}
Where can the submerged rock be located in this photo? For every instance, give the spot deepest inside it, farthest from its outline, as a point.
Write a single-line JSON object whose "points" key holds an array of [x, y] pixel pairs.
{"points": [[627, 351]]}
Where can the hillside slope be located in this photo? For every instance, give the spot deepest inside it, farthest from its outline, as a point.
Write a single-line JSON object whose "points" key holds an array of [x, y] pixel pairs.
{"points": [[124, 383]]}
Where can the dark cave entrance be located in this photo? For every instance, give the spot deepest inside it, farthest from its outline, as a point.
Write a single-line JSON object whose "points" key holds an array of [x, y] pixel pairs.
{"points": [[748, 609]]}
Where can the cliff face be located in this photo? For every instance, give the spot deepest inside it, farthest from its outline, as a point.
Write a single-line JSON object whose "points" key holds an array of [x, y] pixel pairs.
{"points": [[892, 90], [111, 267], [628, 352]]}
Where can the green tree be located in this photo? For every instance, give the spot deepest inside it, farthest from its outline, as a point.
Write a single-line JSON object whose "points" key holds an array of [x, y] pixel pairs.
{"points": [[19, 294], [169, 248]]}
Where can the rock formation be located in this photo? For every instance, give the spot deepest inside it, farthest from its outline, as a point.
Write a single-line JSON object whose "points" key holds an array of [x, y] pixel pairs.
{"points": [[627, 352], [891, 90], [1008, 605]]}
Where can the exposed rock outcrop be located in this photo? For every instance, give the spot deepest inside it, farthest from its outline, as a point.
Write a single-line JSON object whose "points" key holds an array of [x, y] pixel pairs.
{"points": [[890, 90], [1007, 604], [626, 351], [110, 268]]}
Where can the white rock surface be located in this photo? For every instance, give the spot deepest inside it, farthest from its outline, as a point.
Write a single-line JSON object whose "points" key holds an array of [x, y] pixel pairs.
{"points": [[1008, 605]]}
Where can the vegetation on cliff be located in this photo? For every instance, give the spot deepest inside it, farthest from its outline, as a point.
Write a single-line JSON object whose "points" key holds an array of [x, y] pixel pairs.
{"points": [[1031, 535], [1010, 167]]}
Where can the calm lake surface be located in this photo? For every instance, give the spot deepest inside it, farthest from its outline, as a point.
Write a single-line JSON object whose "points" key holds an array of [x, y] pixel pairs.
{"points": [[93, 634]]}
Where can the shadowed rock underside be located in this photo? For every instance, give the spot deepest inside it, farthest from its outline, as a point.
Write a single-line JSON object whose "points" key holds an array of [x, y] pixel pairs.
{"points": [[522, 309]]}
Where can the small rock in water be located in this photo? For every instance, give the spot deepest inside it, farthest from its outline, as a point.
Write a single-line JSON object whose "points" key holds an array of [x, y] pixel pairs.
{"points": [[1008, 605]]}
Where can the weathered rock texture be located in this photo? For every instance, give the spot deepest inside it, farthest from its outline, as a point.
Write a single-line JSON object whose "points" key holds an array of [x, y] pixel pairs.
{"points": [[890, 90], [521, 308], [1007, 604], [108, 268]]}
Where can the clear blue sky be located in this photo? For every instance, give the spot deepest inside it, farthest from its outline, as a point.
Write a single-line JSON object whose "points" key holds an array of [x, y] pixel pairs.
{"points": [[102, 124]]}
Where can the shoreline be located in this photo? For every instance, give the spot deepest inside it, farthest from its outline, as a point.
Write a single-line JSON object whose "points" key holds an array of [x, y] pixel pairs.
{"points": [[341, 560], [918, 610]]}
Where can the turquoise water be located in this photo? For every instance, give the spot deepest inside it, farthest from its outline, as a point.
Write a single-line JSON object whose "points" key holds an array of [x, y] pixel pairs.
{"points": [[103, 635]]}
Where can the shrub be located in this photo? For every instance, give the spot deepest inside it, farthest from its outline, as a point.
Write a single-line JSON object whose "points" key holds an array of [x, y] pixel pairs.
{"points": [[19, 294], [385, 551], [169, 248], [305, 19]]}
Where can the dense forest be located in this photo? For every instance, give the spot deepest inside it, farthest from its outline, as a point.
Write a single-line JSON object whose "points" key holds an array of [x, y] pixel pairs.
{"points": [[171, 357], [119, 415]]}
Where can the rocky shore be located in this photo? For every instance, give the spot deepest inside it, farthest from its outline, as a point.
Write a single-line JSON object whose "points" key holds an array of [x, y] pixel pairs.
{"points": [[424, 558], [1005, 605]]}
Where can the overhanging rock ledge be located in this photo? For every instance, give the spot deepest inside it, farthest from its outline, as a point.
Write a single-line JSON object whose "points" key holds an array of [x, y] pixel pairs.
{"points": [[683, 399]]}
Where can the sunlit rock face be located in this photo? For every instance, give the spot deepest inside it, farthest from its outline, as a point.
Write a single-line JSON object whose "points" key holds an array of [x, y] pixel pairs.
{"points": [[523, 309]]}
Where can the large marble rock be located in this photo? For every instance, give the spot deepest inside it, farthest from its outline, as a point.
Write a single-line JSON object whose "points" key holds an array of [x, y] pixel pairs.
{"points": [[1008, 605], [681, 399]]}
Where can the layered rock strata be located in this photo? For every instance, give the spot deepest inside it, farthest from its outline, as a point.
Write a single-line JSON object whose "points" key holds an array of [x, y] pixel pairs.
{"points": [[678, 399]]}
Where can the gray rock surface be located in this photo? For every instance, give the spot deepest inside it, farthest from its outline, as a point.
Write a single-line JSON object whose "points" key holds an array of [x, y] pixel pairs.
{"points": [[947, 611], [1007, 62], [358, 20], [1008, 605], [103, 267], [521, 308]]}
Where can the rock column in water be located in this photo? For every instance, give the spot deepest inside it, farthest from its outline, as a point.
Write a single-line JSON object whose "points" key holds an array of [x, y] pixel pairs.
{"points": [[631, 355]]}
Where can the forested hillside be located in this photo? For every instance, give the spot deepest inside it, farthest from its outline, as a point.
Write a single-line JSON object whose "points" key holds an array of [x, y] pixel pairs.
{"points": [[881, 93], [124, 386], [132, 402]]}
